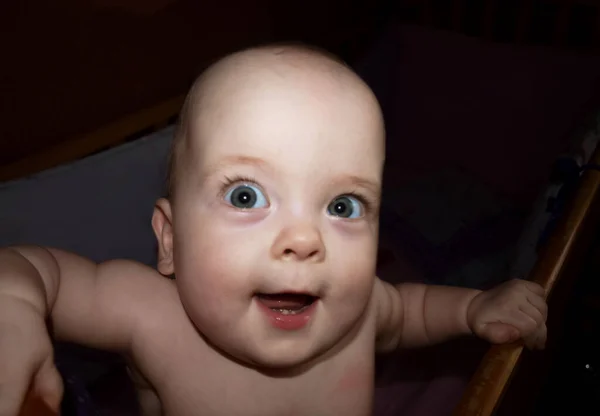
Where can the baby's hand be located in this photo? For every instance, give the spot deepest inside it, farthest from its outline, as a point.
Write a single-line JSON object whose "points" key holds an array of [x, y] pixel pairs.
{"points": [[26, 358], [511, 311]]}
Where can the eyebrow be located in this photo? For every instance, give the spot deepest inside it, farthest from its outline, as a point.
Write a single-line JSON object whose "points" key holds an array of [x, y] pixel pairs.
{"points": [[352, 180], [237, 160]]}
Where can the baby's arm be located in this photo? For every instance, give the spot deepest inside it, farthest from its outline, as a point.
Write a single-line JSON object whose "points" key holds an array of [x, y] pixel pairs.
{"points": [[89, 304], [413, 315]]}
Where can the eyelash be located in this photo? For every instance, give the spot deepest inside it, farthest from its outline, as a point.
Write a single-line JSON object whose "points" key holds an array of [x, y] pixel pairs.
{"points": [[228, 182]]}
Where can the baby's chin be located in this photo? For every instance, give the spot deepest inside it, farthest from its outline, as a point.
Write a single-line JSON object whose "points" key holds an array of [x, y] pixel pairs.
{"points": [[270, 356], [281, 361], [293, 356]]}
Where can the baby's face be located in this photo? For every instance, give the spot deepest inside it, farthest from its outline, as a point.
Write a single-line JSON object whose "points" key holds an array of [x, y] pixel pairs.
{"points": [[276, 216]]}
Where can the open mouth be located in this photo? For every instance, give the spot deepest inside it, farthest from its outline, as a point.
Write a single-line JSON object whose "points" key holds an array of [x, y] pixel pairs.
{"points": [[286, 303]]}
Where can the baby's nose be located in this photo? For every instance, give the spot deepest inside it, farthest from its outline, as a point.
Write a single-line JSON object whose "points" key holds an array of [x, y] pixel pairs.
{"points": [[301, 242]]}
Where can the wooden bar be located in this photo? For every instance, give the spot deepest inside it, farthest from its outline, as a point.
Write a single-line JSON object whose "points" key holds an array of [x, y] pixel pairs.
{"points": [[108, 136], [486, 388]]}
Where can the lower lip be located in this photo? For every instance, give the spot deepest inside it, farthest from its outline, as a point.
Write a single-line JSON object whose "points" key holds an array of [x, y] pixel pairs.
{"points": [[288, 322]]}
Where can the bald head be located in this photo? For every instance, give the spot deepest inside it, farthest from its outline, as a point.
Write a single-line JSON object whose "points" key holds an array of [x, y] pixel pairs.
{"points": [[296, 77]]}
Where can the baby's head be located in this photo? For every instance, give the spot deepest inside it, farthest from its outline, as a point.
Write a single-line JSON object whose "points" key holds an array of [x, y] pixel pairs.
{"points": [[272, 221]]}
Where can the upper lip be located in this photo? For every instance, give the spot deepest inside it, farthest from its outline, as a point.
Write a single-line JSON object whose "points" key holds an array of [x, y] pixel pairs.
{"points": [[288, 292]]}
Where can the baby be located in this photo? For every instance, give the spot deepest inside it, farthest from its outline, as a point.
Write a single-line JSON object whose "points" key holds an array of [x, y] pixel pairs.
{"points": [[270, 231]]}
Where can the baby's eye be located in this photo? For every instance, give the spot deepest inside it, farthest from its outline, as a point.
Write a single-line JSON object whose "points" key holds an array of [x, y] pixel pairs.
{"points": [[345, 206], [246, 197]]}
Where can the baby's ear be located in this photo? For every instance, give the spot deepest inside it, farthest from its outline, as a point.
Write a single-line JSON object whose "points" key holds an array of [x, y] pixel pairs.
{"points": [[163, 229]]}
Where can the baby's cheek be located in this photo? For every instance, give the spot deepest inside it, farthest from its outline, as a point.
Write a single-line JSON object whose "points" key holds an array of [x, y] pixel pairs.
{"points": [[357, 268], [217, 270]]}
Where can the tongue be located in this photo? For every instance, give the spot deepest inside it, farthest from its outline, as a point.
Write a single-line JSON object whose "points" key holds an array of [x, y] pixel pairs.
{"points": [[285, 301]]}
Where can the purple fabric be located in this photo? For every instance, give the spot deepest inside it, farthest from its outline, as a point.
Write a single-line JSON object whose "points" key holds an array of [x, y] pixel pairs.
{"points": [[77, 400], [426, 381]]}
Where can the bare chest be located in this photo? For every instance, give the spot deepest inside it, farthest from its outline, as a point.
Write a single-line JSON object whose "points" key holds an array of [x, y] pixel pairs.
{"points": [[190, 378]]}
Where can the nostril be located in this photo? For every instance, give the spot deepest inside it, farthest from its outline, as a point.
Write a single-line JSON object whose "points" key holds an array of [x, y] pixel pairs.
{"points": [[300, 254]]}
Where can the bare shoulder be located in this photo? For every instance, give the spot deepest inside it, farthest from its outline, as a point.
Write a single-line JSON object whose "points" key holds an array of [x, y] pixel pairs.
{"points": [[388, 308], [153, 296], [139, 282], [138, 289]]}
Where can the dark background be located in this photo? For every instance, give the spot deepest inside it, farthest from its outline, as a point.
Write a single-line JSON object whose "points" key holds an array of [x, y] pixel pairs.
{"points": [[71, 66]]}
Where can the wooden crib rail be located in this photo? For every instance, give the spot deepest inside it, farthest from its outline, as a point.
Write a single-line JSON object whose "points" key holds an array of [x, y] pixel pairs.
{"points": [[486, 388], [130, 127]]}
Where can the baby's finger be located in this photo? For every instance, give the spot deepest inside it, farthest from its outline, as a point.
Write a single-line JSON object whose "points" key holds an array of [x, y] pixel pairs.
{"points": [[540, 304], [34, 406], [536, 340], [48, 384], [499, 333], [535, 288], [532, 338], [530, 311], [542, 337], [522, 318]]}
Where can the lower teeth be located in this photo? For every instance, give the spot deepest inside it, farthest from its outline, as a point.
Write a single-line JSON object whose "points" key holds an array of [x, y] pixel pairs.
{"points": [[289, 311]]}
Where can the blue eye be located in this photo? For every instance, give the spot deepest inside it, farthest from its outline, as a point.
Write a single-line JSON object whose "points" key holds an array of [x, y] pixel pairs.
{"points": [[345, 207], [246, 197]]}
